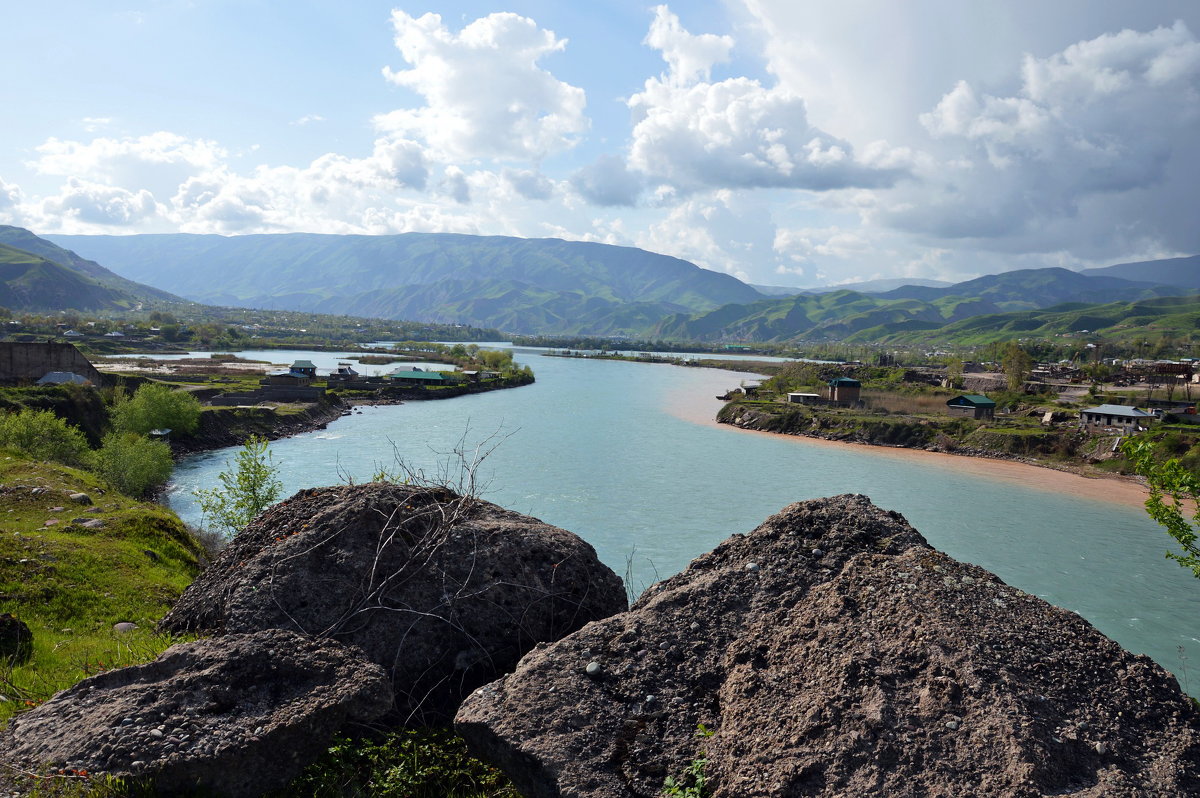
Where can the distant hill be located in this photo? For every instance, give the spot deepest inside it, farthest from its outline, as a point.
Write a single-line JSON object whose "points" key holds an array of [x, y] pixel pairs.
{"points": [[519, 285], [30, 282], [880, 286], [1183, 272], [1031, 289], [23, 239], [911, 310]]}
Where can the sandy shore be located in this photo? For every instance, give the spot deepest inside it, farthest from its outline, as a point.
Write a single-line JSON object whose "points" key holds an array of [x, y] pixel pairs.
{"points": [[1115, 489]]}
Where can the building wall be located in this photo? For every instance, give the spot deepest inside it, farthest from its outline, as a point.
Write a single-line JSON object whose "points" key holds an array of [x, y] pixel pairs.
{"points": [[29, 362]]}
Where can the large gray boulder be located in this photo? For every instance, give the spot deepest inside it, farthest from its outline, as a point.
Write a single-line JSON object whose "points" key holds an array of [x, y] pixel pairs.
{"points": [[834, 653], [445, 592], [231, 716]]}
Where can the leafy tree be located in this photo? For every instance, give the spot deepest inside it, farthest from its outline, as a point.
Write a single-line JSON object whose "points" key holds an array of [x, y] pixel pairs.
{"points": [[156, 406], [247, 488], [1174, 495], [134, 463], [43, 436], [954, 372], [1016, 363]]}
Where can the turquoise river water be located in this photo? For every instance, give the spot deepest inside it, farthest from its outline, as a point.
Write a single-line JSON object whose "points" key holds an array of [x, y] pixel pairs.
{"points": [[627, 456]]}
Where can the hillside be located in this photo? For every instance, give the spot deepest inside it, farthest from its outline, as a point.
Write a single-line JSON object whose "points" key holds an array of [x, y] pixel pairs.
{"points": [[1032, 289], [1171, 271], [20, 238], [925, 312], [29, 282], [520, 285]]}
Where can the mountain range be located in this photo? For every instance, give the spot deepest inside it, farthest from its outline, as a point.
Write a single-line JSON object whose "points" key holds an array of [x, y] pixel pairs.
{"points": [[519, 285], [555, 287]]}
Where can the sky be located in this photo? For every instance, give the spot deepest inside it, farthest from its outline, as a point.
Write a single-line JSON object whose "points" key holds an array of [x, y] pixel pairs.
{"points": [[786, 142]]}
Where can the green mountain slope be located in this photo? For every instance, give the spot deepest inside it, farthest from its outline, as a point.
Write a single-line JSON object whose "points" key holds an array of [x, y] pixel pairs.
{"points": [[520, 285], [1031, 289], [1183, 272], [23, 239], [29, 282]]}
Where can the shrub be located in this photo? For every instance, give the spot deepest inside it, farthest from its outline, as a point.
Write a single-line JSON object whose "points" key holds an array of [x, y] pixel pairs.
{"points": [[157, 406], [133, 463], [246, 489], [43, 436]]}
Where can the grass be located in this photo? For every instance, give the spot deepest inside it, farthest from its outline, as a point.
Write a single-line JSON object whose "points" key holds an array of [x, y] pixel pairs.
{"points": [[71, 584]]}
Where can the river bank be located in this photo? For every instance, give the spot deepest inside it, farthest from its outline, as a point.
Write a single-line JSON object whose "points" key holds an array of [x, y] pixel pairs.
{"points": [[909, 439]]}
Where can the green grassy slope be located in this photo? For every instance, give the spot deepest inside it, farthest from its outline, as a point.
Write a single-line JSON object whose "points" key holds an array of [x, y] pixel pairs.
{"points": [[31, 282], [71, 584]]}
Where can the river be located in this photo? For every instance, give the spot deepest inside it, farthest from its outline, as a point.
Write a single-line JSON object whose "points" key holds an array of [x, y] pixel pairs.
{"points": [[627, 456]]}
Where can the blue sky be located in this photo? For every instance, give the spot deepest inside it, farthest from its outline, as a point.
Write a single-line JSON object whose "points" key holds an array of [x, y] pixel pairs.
{"points": [[788, 143]]}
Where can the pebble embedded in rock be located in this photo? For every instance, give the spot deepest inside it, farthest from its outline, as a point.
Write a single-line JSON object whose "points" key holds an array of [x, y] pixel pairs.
{"points": [[818, 553], [951, 725], [751, 566], [594, 669]]}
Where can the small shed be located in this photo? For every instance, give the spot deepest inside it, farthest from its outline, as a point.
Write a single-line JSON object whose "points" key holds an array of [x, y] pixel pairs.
{"points": [[972, 404], [797, 398], [1119, 417], [844, 389]]}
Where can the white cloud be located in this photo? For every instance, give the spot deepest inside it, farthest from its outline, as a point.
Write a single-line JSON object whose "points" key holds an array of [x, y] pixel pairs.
{"points": [[725, 231], [308, 119], [82, 206], [10, 196], [689, 57], [529, 183], [736, 133], [1095, 150], [157, 162], [485, 94]]}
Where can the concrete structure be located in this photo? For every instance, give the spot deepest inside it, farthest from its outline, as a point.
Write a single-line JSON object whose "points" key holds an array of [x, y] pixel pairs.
{"points": [[29, 362], [845, 390], [1126, 419], [973, 405]]}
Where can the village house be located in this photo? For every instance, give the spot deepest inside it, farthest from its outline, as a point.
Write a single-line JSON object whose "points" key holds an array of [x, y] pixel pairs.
{"points": [[973, 405], [305, 367], [1127, 419], [418, 377], [799, 398]]}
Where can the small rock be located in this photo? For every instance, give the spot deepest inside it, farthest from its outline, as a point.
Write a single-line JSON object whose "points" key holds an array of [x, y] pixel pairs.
{"points": [[51, 522], [951, 725], [1101, 748], [752, 566], [80, 498], [818, 553], [94, 523], [56, 509], [594, 669], [124, 626], [16, 640], [156, 733]]}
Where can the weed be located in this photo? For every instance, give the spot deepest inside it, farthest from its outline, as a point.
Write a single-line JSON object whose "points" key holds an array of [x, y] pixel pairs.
{"points": [[693, 783]]}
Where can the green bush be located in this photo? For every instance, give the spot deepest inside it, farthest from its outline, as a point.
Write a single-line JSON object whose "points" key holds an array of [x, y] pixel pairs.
{"points": [[156, 406], [133, 463], [43, 436], [246, 489]]}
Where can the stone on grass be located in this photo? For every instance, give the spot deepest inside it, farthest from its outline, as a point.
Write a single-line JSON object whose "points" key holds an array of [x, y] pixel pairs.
{"points": [[234, 716]]}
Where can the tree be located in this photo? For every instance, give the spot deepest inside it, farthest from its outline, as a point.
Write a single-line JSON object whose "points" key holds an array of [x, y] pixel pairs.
{"points": [[247, 488], [156, 406], [1174, 492], [43, 436], [1016, 363], [133, 463], [954, 372]]}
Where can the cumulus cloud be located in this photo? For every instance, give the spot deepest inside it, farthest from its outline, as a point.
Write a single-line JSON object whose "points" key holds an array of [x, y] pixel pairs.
{"points": [[157, 162], [10, 196], [98, 205], [736, 133], [1104, 130], [308, 119], [485, 94], [726, 231], [608, 182]]}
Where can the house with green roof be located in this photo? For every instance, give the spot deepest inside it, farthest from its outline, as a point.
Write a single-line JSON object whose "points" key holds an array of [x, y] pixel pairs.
{"points": [[972, 404], [418, 377]]}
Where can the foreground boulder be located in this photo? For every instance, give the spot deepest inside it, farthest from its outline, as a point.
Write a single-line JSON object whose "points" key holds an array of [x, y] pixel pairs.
{"points": [[832, 652], [445, 592], [231, 716]]}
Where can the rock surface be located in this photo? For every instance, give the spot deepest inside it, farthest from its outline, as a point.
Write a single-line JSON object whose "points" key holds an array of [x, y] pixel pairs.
{"points": [[235, 716], [445, 592], [834, 653]]}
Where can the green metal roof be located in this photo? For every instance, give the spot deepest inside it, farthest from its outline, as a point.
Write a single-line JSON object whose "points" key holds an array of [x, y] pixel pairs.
{"points": [[417, 375], [844, 381], [978, 400], [303, 364]]}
